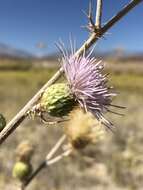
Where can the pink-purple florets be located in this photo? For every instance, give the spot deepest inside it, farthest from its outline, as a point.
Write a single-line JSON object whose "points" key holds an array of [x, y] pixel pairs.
{"points": [[89, 85]]}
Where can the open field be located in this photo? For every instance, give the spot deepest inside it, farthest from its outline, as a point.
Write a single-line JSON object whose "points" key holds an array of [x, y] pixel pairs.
{"points": [[114, 164]]}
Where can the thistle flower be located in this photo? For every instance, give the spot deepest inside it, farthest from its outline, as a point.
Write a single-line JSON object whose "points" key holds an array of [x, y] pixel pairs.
{"points": [[88, 84]]}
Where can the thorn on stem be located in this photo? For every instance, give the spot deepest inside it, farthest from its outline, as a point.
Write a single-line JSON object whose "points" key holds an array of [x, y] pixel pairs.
{"points": [[91, 27]]}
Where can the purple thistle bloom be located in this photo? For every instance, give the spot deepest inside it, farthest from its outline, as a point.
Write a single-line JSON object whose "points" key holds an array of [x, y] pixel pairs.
{"points": [[88, 84]]}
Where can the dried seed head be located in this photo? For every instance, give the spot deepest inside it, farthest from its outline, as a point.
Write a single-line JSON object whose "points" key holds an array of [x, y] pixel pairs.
{"points": [[21, 170], [83, 128], [2, 122], [57, 100], [24, 151]]}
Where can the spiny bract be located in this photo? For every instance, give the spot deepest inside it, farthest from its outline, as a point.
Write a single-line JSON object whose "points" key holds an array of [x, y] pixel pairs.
{"points": [[57, 100]]}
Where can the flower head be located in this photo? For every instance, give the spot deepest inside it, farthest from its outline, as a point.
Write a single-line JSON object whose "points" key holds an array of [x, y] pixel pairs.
{"points": [[24, 151], [83, 129], [88, 84], [57, 100], [87, 87]]}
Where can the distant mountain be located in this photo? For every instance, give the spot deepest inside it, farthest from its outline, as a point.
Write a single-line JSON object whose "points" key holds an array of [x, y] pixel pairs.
{"points": [[8, 51]]}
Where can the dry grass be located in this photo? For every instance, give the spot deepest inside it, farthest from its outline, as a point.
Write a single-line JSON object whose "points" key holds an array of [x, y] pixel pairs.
{"points": [[116, 163]]}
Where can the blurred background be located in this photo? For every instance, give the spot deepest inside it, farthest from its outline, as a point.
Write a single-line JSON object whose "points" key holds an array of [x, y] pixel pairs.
{"points": [[29, 57]]}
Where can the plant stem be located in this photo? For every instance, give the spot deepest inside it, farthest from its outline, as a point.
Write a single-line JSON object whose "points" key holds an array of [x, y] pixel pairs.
{"points": [[48, 161], [98, 14]]}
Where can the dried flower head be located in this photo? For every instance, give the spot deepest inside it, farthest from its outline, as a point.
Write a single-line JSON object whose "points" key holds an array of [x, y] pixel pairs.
{"points": [[88, 84], [24, 151], [83, 128]]}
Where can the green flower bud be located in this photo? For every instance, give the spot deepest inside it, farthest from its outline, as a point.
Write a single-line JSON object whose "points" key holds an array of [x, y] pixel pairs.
{"points": [[21, 170], [2, 122], [57, 100]]}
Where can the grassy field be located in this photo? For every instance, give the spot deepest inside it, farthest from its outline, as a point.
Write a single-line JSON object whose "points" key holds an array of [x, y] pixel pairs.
{"points": [[14, 64], [116, 163]]}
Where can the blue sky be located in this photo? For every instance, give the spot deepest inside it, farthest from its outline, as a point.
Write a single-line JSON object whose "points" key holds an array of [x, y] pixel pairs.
{"points": [[25, 23]]}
